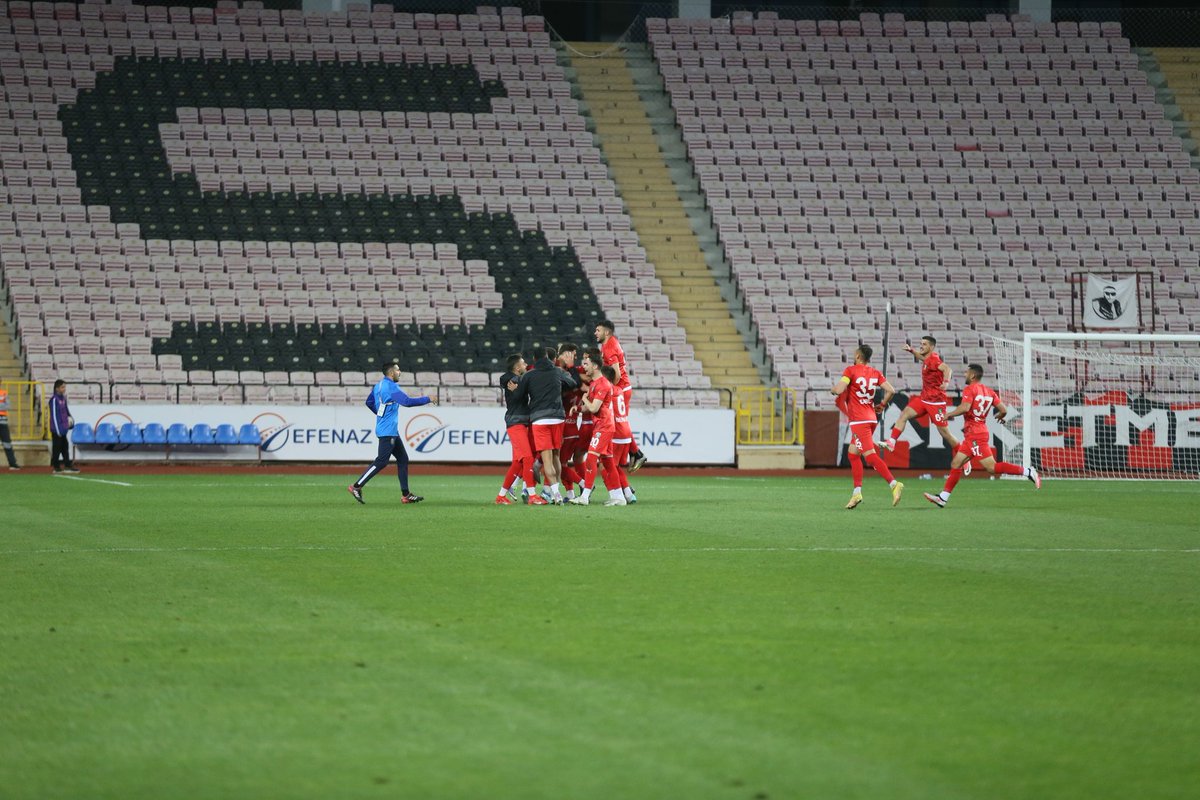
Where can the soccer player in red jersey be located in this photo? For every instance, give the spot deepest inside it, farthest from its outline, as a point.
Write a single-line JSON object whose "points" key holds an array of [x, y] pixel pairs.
{"points": [[516, 420], [855, 393], [571, 403], [977, 404], [614, 356], [931, 405], [598, 402]]}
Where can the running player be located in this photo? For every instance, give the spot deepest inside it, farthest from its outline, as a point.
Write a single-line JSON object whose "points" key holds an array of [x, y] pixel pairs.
{"points": [[977, 404], [855, 391]]}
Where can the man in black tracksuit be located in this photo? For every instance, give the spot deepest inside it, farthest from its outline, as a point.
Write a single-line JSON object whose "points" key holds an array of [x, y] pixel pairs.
{"points": [[542, 388], [516, 421]]}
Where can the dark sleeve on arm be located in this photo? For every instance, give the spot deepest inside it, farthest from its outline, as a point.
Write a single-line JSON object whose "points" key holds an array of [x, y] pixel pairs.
{"points": [[370, 402], [568, 379], [400, 397]]}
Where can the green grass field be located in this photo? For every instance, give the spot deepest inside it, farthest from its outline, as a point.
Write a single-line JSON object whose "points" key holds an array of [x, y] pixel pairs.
{"points": [[263, 636]]}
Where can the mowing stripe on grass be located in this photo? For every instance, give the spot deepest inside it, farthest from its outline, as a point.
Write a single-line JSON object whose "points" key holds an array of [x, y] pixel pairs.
{"points": [[459, 549]]}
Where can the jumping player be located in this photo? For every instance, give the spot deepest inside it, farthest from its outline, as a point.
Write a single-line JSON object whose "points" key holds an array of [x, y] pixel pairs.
{"points": [[855, 391], [977, 404], [931, 405]]}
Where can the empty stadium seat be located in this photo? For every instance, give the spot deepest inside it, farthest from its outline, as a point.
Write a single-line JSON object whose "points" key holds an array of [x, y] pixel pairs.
{"points": [[225, 434], [154, 433], [249, 434], [130, 433], [178, 433], [202, 434], [106, 433], [83, 433]]}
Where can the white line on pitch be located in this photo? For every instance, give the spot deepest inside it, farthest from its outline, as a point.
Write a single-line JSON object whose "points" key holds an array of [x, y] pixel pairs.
{"points": [[418, 548], [92, 480]]}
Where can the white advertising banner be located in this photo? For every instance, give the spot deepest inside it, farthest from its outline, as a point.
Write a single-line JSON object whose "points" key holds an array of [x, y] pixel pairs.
{"points": [[431, 433], [1111, 303]]}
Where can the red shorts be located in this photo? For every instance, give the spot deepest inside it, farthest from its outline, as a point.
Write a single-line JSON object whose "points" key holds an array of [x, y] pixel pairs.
{"points": [[585, 437], [601, 442], [521, 441], [621, 452], [976, 445], [862, 436], [547, 437], [935, 413]]}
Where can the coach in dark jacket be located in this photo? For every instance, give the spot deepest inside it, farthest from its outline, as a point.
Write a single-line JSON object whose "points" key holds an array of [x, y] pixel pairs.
{"points": [[542, 388]]}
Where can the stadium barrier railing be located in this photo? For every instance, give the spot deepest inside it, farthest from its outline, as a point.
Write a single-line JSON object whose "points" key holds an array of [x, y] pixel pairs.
{"points": [[28, 419], [768, 416]]}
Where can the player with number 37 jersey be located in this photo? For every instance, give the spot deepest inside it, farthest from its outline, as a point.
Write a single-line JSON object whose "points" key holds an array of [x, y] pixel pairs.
{"points": [[978, 402]]}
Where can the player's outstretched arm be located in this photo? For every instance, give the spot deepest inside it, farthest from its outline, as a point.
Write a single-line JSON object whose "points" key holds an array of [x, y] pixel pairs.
{"points": [[1001, 410], [840, 386], [908, 348], [963, 407]]}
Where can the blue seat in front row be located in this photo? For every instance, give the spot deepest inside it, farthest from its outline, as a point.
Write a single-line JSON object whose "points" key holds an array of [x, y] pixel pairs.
{"points": [[153, 433], [225, 435], [106, 433], [178, 434], [202, 434], [82, 433], [249, 434], [130, 434]]}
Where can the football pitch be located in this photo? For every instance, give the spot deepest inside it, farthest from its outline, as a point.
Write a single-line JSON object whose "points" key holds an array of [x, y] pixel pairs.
{"points": [[263, 636]]}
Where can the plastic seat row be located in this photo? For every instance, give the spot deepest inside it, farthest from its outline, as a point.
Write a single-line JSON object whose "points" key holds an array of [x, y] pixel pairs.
{"points": [[153, 433]]}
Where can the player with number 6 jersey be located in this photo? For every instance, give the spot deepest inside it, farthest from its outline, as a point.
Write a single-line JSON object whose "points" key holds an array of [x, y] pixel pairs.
{"points": [[855, 393], [978, 402], [931, 405]]}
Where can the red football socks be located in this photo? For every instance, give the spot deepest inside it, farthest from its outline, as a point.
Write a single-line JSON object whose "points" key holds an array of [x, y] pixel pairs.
{"points": [[877, 464]]}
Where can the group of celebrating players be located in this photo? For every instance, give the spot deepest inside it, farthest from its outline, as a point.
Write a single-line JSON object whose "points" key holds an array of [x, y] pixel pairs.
{"points": [[572, 420], [856, 398]]}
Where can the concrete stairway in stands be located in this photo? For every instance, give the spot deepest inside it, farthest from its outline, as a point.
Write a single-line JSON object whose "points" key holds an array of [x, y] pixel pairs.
{"points": [[1180, 68], [630, 146]]}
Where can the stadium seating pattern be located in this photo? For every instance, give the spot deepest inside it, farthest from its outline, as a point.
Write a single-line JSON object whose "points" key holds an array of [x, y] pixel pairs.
{"points": [[242, 204], [963, 172]]}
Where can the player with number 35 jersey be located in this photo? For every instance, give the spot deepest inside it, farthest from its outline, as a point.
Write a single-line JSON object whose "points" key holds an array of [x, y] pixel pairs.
{"points": [[855, 393]]}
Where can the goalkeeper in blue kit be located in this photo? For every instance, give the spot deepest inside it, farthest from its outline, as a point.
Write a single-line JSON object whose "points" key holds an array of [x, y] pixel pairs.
{"points": [[384, 401]]}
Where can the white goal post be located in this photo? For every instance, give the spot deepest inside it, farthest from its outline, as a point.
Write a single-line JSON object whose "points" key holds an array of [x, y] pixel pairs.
{"points": [[1102, 405]]}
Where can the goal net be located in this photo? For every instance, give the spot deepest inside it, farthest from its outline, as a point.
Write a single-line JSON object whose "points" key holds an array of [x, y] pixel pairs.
{"points": [[1101, 405]]}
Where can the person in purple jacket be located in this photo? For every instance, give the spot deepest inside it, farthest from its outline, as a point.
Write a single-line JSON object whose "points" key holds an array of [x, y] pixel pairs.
{"points": [[60, 423]]}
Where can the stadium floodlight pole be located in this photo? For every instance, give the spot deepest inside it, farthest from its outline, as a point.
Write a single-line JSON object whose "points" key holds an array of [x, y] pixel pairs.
{"points": [[1027, 365]]}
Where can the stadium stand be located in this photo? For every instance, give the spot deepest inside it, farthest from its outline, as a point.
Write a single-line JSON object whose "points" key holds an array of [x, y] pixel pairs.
{"points": [[242, 204], [961, 171]]}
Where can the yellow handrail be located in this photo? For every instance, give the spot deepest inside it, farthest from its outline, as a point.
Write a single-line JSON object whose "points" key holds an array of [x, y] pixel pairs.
{"points": [[768, 416], [26, 417]]}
